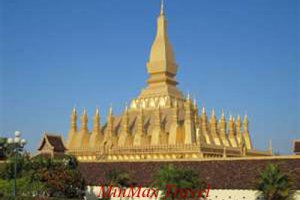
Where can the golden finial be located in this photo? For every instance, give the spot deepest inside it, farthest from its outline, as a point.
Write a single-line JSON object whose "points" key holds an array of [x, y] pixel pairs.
{"points": [[223, 114], [188, 96], [74, 114], [246, 118], [74, 120], [97, 120], [110, 109], [213, 114], [84, 120], [74, 110], [203, 110], [162, 10], [239, 121], [84, 112], [84, 115], [97, 114]]}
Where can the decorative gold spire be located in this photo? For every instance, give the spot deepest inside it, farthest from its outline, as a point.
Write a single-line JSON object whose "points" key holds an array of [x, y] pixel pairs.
{"points": [[74, 120], [84, 120], [196, 114], [246, 123], [97, 121], [162, 59], [239, 122], [175, 111], [140, 126], [231, 126], [110, 122], [125, 119], [213, 114], [161, 65], [203, 111], [238, 125], [162, 11], [213, 122], [223, 125], [157, 117], [223, 115], [110, 111], [204, 121], [246, 133], [195, 104], [188, 97], [232, 132], [214, 128]]}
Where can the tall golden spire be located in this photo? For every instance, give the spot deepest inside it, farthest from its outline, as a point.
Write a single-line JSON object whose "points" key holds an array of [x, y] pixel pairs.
{"points": [[246, 133], [246, 124], [161, 65], [162, 58], [239, 135], [204, 120], [125, 119], [140, 119], [223, 129], [97, 120], [175, 112], [110, 122], [74, 120], [84, 120]]}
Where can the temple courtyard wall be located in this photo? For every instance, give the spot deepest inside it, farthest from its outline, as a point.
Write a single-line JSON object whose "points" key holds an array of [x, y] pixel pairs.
{"points": [[230, 178], [227, 173]]}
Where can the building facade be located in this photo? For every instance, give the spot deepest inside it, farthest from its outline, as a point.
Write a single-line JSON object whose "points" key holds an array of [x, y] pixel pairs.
{"points": [[161, 123]]}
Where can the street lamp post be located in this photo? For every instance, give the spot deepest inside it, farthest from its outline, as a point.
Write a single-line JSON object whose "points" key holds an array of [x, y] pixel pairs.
{"points": [[17, 143]]}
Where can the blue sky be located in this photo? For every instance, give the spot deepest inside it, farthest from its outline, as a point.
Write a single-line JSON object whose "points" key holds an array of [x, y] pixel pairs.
{"points": [[242, 56]]}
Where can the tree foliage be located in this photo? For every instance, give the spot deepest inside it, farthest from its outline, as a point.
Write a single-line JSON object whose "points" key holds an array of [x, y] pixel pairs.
{"points": [[275, 185], [120, 178], [42, 176], [181, 178]]}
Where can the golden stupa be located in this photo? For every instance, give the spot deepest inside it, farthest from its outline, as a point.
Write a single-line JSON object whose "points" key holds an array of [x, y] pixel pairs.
{"points": [[161, 123]]}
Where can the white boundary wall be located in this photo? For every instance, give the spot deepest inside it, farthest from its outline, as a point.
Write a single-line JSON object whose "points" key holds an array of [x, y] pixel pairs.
{"points": [[93, 191]]}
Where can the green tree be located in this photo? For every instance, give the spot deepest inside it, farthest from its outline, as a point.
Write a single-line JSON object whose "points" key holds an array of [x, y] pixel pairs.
{"points": [[275, 185], [43, 176], [118, 178], [180, 178]]}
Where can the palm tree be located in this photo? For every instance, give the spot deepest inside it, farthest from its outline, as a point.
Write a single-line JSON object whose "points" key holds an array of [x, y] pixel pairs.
{"points": [[275, 185], [119, 178]]}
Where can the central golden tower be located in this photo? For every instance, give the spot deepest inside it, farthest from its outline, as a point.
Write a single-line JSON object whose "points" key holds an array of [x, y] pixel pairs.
{"points": [[161, 123], [162, 65]]}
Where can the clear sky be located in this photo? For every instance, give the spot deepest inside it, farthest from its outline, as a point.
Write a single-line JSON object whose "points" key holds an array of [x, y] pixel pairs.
{"points": [[242, 56]]}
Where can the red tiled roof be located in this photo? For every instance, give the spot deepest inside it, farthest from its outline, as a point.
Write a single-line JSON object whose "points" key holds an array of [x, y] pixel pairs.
{"points": [[55, 141]]}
